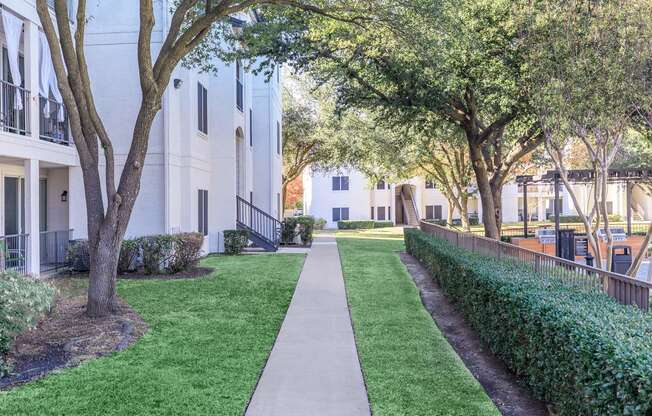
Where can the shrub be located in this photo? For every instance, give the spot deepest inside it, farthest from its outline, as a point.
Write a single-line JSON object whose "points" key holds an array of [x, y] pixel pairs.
{"points": [[22, 303], [577, 219], [186, 253], [320, 223], [78, 257], [577, 349], [289, 230], [355, 224], [235, 241], [306, 227], [156, 251], [383, 224], [129, 253]]}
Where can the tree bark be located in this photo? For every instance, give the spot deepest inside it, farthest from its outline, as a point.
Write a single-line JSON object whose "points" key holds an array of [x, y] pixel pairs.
{"points": [[491, 229]]}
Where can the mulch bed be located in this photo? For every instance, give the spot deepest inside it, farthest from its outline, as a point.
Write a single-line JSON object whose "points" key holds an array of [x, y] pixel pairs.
{"points": [[503, 387], [67, 337], [194, 273]]}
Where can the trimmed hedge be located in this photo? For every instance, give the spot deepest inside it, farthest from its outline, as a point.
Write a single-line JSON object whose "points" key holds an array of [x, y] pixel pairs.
{"points": [[303, 226], [564, 219], [363, 224], [23, 301], [235, 241], [164, 253], [579, 350]]}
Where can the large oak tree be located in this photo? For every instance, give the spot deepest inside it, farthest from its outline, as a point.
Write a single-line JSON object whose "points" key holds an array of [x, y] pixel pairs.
{"points": [[192, 24]]}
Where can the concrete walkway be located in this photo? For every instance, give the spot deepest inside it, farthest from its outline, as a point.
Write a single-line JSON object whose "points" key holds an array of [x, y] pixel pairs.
{"points": [[313, 369]]}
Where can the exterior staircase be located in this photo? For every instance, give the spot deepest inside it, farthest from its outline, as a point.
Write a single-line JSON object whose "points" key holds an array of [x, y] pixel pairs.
{"points": [[264, 230], [409, 206]]}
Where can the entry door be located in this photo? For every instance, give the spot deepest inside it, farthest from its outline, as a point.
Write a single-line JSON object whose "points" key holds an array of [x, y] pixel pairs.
{"points": [[14, 208]]}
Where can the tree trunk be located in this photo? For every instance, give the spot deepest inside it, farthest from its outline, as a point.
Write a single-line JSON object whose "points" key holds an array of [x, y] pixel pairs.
{"points": [[482, 179], [497, 194], [464, 213], [449, 213], [284, 194], [102, 280]]}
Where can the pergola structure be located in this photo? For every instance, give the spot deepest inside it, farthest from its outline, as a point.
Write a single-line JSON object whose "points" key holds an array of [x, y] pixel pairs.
{"points": [[630, 177]]}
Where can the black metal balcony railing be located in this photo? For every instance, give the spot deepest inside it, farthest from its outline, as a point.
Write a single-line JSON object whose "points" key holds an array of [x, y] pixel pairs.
{"points": [[14, 108], [54, 249], [239, 95], [13, 253], [51, 128]]}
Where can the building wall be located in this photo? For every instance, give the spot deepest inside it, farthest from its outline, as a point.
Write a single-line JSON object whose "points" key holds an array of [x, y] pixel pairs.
{"points": [[181, 160]]}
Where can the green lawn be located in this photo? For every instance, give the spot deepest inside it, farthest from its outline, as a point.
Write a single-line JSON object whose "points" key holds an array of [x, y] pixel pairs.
{"points": [[408, 366], [207, 345]]}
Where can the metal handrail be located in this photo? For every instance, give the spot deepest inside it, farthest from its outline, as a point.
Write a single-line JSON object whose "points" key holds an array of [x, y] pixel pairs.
{"points": [[258, 221], [624, 289], [13, 252], [12, 119]]}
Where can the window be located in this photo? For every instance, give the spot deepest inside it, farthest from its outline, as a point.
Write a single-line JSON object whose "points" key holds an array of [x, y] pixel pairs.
{"points": [[202, 108], [380, 185], [340, 183], [381, 213], [278, 138], [372, 213], [430, 185], [340, 214], [239, 89], [433, 212], [202, 211], [251, 128]]}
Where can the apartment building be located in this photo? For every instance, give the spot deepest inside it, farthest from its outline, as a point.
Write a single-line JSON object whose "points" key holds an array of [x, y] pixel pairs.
{"points": [[215, 149], [214, 160], [348, 194], [37, 157]]}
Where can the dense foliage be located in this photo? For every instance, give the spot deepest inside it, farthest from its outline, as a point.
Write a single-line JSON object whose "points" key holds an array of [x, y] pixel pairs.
{"points": [[363, 224], [235, 241], [164, 253], [23, 301], [302, 226], [579, 350]]}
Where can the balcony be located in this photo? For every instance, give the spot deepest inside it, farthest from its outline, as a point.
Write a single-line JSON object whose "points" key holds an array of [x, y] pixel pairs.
{"points": [[51, 128], [14, 109]]}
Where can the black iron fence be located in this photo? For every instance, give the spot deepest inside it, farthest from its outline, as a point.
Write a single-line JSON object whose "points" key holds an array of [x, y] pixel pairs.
{"points": [[14, 108], [13, 253], [53, 127], [54, 249]]}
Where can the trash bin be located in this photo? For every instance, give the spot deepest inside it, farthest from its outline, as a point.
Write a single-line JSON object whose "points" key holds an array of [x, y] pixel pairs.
{"points": [[621, 259], [566, 244]]}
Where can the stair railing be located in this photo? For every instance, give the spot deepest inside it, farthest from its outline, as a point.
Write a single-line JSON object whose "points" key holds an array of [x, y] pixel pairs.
{"points": [[406, 194], [258, 222]]}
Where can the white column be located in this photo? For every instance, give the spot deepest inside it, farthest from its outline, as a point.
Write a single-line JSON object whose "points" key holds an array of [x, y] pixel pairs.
{"points": [[32, 74], [32, 226], [76, 203], [541, 202]]}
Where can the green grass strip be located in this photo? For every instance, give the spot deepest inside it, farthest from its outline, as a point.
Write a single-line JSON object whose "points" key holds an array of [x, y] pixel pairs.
{"points": [[408, 366], [208, 342]]}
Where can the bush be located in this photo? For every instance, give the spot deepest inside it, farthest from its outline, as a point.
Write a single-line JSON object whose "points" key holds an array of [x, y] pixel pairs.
{"points": [[383, 224], [306, 227], [580, 350], [355, 225], [320, 223], [235, 241], [78, 257], [565, 219], [156, 251], [289, 230], [129, 253], [186, 253], [22, 303]]}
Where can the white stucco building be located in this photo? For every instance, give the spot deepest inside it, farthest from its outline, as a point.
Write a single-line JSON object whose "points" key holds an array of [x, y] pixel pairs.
{"points": [[216, 138], [417, 198]]}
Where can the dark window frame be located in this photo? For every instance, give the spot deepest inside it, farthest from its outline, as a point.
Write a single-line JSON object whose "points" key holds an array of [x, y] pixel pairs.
{"points": [[202, 108]]}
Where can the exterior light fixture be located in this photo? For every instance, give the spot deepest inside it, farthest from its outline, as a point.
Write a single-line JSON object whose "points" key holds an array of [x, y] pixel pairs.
{"points": [[178, 83], [64, 196]]}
